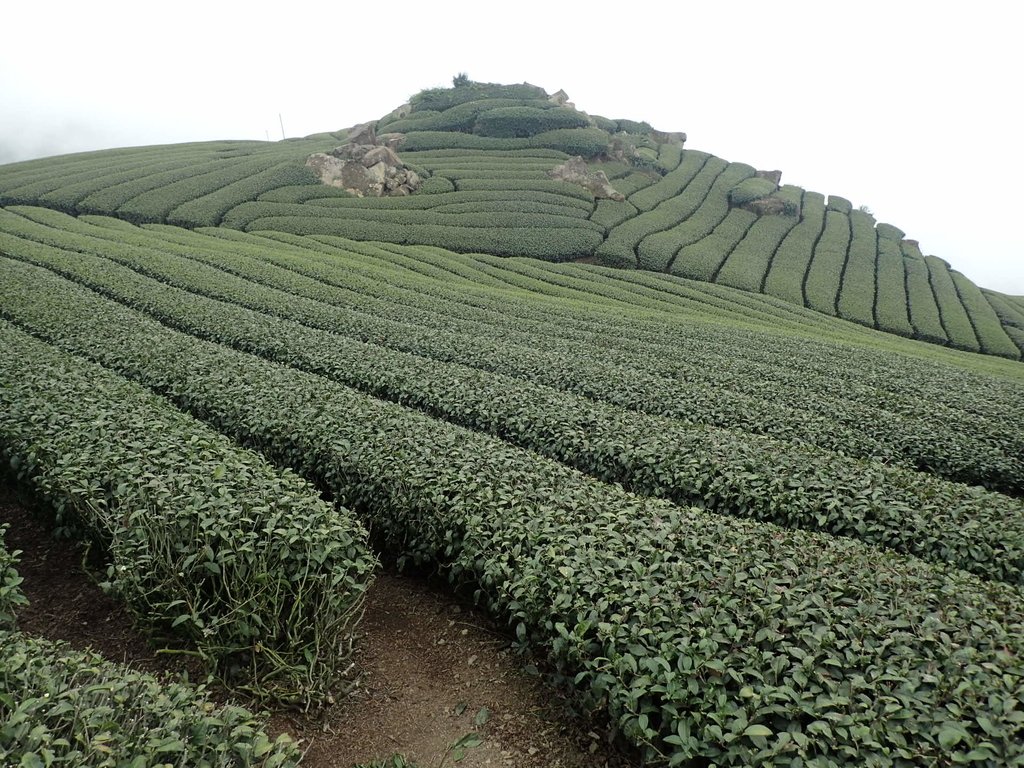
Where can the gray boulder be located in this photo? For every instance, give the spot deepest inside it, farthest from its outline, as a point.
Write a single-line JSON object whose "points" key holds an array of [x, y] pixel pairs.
{"points": [[367, 165], [575, 171]]}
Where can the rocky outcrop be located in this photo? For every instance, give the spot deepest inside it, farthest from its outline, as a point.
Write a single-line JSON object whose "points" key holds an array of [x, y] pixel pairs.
{"points": [[773, 176], [561, 98], [622, 149], [770, 206], [366, 165], [575, 171], [669, 137]]}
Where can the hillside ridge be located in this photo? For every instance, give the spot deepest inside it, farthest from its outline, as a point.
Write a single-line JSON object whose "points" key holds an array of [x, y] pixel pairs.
{"points": [[472, 169]]}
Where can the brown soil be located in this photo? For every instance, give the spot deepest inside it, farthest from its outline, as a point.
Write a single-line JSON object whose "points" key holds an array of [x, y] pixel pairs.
{"points": [[433, 671]]}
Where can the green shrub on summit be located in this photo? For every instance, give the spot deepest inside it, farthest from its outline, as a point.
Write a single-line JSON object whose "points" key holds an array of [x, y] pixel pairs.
{"points": [[440, 99], [588, 142], [523, 122]]}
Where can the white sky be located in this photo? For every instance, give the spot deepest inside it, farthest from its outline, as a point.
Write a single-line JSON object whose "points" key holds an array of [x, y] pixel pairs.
{"points": [[911, 108]]}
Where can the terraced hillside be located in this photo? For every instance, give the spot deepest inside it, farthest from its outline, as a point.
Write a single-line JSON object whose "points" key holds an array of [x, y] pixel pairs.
{"points": [[739, 530], [485, 153]]}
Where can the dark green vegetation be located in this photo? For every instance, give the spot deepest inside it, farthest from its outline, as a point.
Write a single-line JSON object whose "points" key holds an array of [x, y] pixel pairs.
{"points": [[737, 526], [64, 707], [724, 521], [204, 539], [485, 151]]}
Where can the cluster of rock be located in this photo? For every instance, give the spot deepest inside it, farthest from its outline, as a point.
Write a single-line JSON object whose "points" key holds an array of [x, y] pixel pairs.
{"points": [[669, 137], [575, 171], [366, 165]]}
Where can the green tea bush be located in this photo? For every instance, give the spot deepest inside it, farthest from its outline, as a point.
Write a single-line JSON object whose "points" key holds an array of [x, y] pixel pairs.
{"points": [[108, 200], [624, 239], [208, 210], [511, 173], [611, 213], [857, 294], [704, 259], [786, 275], [821, 287], [63, 707], [747, 266], [386, 124], [520, 185], [924, 310], [587, 142], [839, 204], [436, 185], [484, 155], [433, 140], [633, 126], [892, 309], [523, 122], [669, 157], [949, 451], [955, 320], [513, 206], [889, 232], [575, 198], [635, 181], [300, 193], [157, 204], [991, 335], [675, 181], [605, 124], [461, 117], [701, 637], [661, 247], [204, 539], [441, 99], [551, 243], [67, 196], [11, 596]]}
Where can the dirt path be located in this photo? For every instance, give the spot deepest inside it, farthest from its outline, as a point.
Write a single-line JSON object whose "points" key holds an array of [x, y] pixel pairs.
{"points": [[433, 671]]}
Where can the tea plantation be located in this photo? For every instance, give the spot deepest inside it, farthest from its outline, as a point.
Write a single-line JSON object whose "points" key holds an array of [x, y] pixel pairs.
{"points": [[729, 497]]}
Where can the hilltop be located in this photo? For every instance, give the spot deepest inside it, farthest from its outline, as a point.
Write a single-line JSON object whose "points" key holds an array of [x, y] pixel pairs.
{"points": [[485, 168]]}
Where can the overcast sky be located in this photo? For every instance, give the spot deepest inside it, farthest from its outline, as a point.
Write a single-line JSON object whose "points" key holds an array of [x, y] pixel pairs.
{"points": [[911, 108]]}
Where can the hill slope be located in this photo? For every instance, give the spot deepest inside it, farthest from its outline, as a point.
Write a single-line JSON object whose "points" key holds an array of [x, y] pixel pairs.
{"points": [[486, 153], [737, 529]]}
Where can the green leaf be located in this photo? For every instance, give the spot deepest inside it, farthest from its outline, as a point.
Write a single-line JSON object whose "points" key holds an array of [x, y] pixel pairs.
{"points": [[757, 730], [950, 736]]}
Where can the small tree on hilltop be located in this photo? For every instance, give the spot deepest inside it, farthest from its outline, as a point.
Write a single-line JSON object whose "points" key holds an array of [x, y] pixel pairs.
{"points": [[460, 80]]}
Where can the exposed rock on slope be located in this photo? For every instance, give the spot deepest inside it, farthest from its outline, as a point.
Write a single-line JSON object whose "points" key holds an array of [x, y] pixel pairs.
{"points": [[575, 171], [366, 165]]}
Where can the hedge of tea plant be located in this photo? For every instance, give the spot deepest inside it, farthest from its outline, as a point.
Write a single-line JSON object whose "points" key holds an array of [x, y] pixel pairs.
{"points": [[952, 444], [955, 319], [65, 707], [793, 258], [662, 247], [60, 706], [205, 541], [924, 309], [702, 637], [728, 472], [748, 264], [857, 294], [825, 272]]}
